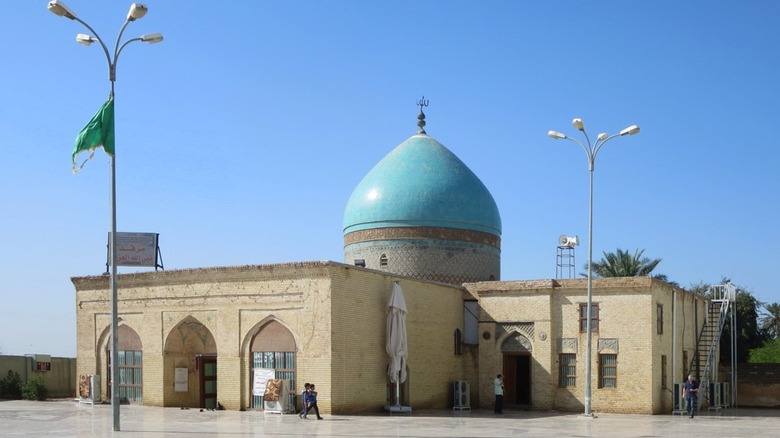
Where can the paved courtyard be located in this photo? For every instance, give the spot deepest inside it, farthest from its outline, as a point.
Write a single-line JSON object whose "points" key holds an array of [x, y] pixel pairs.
{"points": [[71, 419]]}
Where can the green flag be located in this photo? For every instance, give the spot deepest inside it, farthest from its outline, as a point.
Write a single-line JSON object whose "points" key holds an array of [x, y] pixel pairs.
{"points": [[98, 132]]}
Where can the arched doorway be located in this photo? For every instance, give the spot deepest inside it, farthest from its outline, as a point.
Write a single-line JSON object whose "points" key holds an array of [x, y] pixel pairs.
{"points": [[191, 351], [516, 351], [273, 347], [130, 365]]}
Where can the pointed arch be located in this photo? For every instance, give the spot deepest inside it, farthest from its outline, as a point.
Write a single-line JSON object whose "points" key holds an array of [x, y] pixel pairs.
{"points": [[516, 342], [130, 365], [251, 335], [190, 335], [271, 344], [517, 364], [191, 348]]}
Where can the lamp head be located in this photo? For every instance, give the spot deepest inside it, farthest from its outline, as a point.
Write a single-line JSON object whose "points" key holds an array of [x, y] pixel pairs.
{"points": [[152, 38], [631, 130], [577, 123], [603, 136], [85, 39], [58, 8], [556, 135], [137, 10]]}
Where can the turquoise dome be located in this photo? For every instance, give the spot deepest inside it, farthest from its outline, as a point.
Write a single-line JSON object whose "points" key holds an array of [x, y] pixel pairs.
{"points": [[422, 183]]}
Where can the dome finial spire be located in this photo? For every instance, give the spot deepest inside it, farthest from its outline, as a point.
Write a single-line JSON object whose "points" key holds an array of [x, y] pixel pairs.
{"points": [[421, 117]]}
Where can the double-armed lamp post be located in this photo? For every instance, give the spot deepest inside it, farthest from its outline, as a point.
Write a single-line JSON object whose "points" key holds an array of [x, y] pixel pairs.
{"points": [[591, 150], [137, 10]]}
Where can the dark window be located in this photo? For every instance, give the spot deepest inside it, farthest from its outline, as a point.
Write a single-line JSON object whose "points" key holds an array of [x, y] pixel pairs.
{"points": [[594, 317], [458, 342], [568, 370], [659, 318], [383, 260]]}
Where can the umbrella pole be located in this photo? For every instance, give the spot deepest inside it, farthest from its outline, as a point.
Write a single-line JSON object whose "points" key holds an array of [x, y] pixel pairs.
{"points": [[398, 388]]}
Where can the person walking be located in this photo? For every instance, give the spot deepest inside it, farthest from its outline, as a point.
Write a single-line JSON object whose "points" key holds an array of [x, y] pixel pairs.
{"points": [[691, 394], [498, 389], [311, 402], [304, 397]]}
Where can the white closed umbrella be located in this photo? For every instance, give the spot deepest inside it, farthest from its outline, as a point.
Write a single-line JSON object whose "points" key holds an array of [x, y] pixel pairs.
{"points": [[396, 344]]}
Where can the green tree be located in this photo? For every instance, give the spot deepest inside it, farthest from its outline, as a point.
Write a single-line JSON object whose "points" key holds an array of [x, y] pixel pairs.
{"points": [[770, 320], [11, 386], [34, 389], [749, 335], [624, 264], [768, 353]]}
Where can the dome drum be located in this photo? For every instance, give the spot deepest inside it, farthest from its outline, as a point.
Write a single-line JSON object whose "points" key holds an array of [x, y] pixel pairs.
{"points": [[453, 262]]}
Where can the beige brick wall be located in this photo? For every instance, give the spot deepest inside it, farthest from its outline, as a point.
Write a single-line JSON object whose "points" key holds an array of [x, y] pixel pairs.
{"points": [[627, 314], [359, 326], [336, 314]]}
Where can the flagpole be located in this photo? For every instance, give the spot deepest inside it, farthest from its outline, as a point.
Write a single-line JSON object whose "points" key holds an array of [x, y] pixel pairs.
{"points": [[115, 400], [137, 10]]}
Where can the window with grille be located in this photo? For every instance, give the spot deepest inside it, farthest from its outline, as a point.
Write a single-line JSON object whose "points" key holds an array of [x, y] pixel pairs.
{"points": [[594, 317], [608, 371], [568, 370], [383, 260], [659, 318], [130, 375], [283, 364]]}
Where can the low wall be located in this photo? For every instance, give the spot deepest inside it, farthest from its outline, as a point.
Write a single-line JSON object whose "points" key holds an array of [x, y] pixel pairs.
{"points": [[60, 380], [758, 384]]}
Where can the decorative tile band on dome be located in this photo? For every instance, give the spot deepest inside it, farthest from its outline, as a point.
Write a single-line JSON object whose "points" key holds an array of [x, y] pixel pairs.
{"points": [[437, 233]]}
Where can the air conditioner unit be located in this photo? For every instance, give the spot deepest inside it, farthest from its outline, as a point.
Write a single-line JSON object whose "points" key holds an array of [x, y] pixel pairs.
{"points": [[725, 395], [719, 396], [714, 395], [679, 406], [462, 395]]}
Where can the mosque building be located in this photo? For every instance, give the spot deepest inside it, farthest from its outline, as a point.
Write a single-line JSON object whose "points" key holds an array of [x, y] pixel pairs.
{"points": [[203, 337]]}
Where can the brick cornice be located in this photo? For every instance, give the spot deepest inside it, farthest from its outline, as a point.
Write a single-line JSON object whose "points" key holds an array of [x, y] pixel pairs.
{"points": [[236, 274]]}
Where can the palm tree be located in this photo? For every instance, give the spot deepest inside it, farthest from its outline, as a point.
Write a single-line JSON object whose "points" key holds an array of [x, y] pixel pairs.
{"points": [[770, 320], [623, 264]]}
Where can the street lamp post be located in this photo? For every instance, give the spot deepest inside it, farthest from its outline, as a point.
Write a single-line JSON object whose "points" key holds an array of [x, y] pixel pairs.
{"points": [[137, 10], [591, 150]]}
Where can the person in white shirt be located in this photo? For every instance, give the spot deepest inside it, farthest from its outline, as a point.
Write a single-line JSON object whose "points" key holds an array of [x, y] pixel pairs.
{"points": [[498, 389]]}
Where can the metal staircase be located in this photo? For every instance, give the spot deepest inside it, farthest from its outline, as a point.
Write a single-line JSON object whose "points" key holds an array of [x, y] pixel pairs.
{"points": [[705, 359]]}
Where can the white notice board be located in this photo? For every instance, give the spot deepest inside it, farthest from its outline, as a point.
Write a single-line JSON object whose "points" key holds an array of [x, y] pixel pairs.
{"points": [[262, 376], [180, 380]]}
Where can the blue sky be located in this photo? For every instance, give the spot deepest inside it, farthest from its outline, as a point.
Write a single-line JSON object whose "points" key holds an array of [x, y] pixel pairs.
{"points": [[241, 136]]}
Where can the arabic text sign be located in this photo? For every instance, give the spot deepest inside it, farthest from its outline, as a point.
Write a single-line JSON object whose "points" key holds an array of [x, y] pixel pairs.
{"points": [[136, 249]]}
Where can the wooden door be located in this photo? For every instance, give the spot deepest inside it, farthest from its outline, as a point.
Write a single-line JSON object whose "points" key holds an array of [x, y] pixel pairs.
{"points": [[208, 382]]}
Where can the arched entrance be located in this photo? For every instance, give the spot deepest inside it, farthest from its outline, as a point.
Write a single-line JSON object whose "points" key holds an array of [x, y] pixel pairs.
{"points": [[191, 351], [130, 367], [273, 347], [516, 352]]}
